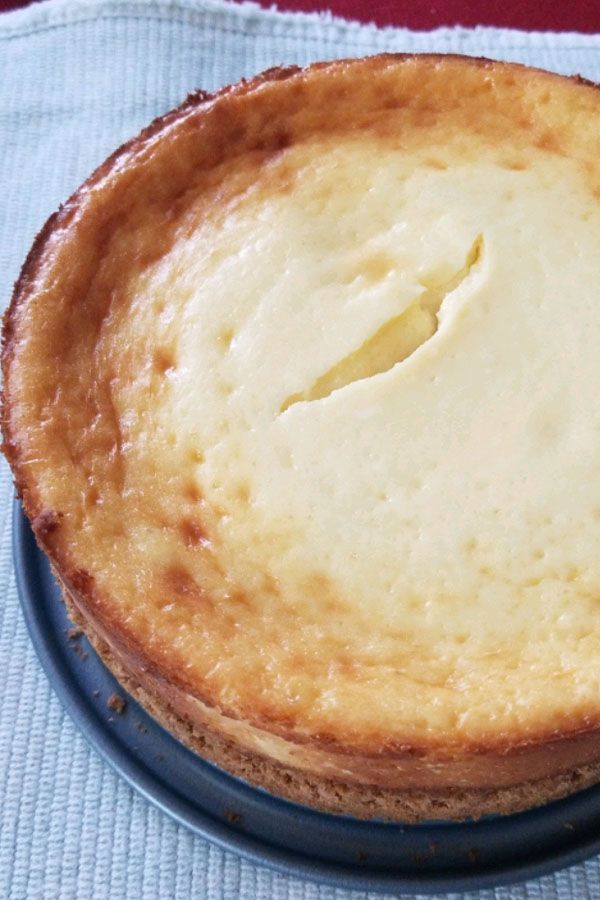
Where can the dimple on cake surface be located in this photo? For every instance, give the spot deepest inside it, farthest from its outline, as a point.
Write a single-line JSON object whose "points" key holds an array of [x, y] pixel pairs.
{"points": [[301, 394]]}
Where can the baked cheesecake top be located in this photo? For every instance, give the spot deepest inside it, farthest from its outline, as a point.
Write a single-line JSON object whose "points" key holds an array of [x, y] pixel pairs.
{"points": [[302, 395]]}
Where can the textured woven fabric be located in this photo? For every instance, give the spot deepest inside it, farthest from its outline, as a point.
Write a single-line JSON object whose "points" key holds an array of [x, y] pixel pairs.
{"points": [[76, 79]]}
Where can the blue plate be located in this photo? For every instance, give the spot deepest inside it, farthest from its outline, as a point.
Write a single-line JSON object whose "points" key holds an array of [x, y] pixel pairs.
{"points": [[339, 850]]}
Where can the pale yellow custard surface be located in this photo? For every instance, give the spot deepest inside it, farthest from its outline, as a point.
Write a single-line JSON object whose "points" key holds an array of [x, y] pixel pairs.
{"points": [[303, 395]]}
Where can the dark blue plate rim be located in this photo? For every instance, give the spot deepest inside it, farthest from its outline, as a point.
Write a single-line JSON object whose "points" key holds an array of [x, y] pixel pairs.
{"points": [[78, 704]]}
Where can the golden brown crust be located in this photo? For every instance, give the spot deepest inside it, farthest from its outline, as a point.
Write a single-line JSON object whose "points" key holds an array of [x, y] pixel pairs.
{"points": [[561, 757], [404, 785], [334, 794]]}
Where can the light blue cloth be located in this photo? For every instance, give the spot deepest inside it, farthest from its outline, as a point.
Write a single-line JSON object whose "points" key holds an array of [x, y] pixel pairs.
{"points": [[76, 79]]}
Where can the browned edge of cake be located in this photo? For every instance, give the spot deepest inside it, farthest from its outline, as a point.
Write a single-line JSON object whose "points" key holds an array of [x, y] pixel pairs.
{"points": [[331, 795]]}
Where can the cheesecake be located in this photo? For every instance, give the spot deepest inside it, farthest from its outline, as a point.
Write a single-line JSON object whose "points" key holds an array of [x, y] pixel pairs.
{"points": [[302, 400]]}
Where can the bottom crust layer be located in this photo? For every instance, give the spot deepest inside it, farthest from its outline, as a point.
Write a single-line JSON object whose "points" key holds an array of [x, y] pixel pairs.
{"points": [[329, 795]]}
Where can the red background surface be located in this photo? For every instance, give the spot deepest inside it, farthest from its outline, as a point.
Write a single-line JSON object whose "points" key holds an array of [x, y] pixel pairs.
{"points": [[542, 15]]}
